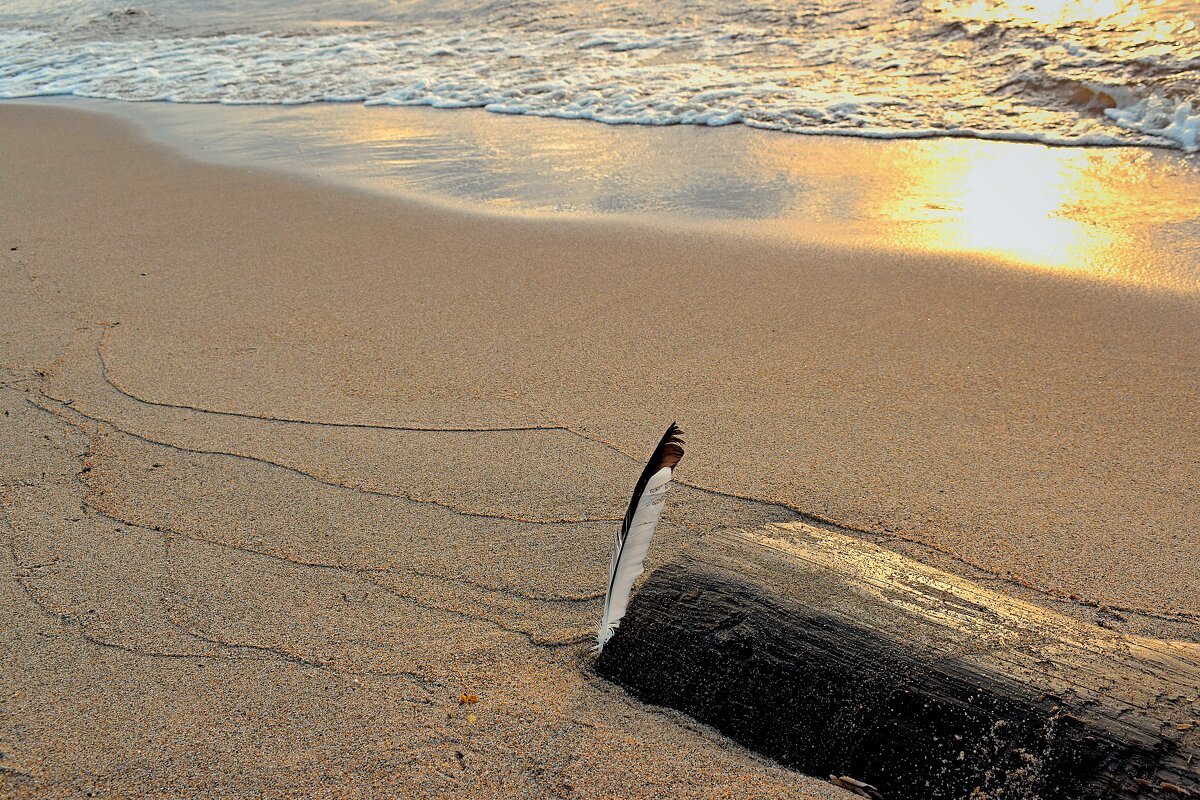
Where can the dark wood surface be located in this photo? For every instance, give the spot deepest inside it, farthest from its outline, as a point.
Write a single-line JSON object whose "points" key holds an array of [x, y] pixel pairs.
{"points": [[836, 656]]}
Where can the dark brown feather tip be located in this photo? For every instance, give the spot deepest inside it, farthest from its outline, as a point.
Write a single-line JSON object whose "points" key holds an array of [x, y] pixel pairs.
{"points": [[667, 454]]}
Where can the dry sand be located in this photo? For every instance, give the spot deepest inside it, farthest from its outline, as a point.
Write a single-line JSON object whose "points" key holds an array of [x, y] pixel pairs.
{"points": [[287, 469]]}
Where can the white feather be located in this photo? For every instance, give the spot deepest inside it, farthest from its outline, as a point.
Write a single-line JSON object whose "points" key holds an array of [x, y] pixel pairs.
{"points": [[629, 556]]}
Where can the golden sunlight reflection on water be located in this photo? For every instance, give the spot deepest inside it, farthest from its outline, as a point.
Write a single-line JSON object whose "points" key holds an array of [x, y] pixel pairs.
{"points": [[1027, 203], [1125, 214], [1151, 15], [1021, 203]]}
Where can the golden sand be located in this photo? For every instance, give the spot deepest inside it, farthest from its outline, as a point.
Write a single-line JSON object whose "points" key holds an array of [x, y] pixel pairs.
{"points": [[290, 469]]}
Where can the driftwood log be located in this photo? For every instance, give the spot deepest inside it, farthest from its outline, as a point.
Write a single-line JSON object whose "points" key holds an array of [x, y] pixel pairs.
{"points": [[838, 657]]}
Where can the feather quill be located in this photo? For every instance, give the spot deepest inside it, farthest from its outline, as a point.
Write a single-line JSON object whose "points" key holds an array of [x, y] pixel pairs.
{"points": [[632, 541]]}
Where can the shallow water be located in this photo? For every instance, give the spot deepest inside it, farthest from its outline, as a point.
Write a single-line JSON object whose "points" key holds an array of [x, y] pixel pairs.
{"points": [[1058, 71], [1120, 214]]}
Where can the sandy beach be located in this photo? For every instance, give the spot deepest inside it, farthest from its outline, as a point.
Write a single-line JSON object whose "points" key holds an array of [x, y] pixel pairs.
{"points": [[289, 468]]}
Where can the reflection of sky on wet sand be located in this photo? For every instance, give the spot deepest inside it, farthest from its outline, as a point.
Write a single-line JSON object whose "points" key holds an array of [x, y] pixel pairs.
{"points": [[1119, 213], [1019, 202], [1123, 213]]}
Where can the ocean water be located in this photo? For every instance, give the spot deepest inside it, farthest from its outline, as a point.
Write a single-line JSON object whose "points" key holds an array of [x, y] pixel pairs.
{"points": [[1081, 72]]}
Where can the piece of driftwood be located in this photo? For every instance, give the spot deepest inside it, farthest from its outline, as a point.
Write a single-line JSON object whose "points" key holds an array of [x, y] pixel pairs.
{"points": [[841, 658]]}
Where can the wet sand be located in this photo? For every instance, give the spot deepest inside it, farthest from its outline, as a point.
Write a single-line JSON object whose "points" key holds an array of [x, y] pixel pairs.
{"points": [[289, 468]]}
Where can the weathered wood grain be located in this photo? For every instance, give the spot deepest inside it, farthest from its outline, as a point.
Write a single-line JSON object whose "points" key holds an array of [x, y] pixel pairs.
{"points": [[836, 656]]}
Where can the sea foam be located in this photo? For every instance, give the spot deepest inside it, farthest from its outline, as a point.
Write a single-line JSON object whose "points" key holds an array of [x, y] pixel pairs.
{"points": [[839, 70], [1157, 116]]}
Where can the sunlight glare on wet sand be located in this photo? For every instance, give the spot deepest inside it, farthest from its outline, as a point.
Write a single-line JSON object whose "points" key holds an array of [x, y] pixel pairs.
{"points": [[1121, 214], [1029, 203], [1117, 213], [1013, 202]]}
